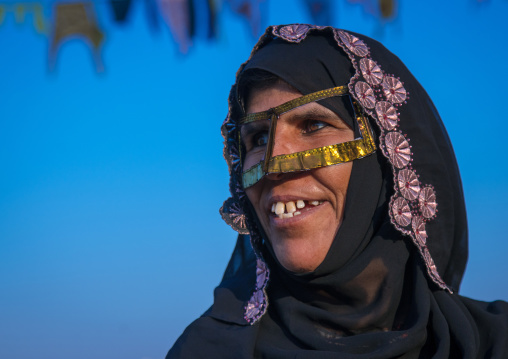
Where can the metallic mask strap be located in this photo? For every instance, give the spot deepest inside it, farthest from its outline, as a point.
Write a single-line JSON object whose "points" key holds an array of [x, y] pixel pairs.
{"points": [[317, 157], [297, 102]]}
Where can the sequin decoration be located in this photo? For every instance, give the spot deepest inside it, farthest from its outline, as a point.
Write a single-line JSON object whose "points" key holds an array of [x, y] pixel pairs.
{"points": [[261, 274], [432, 270], [365, 94], [427, 202], [234, 216], [401, 212], [408, 184], [354, 44], [371, 71], [387, 115], [234, 157], [418, 225], [292, 33], [393, 90], [398, 149], [255, 307]]}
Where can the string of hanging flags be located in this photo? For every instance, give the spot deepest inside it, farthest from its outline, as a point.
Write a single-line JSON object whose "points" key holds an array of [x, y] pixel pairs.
{"points": [[79, 19]]}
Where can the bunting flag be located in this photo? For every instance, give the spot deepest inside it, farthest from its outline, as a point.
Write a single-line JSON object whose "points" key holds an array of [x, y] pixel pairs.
{"points": [[252, 11], [75, 20], [152, 14], [212, 19], [120, 9], [2, 14], [387, 8], [320, 11], [379, 8], [186, 19], [177, 14], [21, 9]]}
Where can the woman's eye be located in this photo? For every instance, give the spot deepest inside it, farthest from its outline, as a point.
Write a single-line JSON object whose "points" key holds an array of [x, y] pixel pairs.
{"points": [[260, 139], [313, 126]]}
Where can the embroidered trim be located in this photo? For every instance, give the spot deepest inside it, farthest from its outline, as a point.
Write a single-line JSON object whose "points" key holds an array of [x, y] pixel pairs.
{"points": [[411, 203], [398, 149], [258, 302], [401, 211], [365, 94], [232, 213], [427, 202], [387, 115], [394, 90], [371, 71]]}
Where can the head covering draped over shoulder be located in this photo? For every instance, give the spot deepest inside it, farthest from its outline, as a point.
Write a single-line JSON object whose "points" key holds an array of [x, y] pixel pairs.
{"points": [[387, 287]]}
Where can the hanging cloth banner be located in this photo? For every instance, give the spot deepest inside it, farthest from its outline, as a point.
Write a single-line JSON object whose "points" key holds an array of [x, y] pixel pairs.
{"points": [[252, 10], [21, 9], [388, 8], [152, 14], [177, 15], [385, 9], [2, 13], [211, 9], [120, 9], [320, 11], [75, 20]]}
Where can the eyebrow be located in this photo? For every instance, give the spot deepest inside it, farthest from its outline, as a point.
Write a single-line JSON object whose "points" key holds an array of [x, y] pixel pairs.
{"points": [[310, 113], [253, 127], [313, 113]]}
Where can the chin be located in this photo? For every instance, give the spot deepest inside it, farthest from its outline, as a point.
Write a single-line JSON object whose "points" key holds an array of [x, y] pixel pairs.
{"points": [[298, 258]]}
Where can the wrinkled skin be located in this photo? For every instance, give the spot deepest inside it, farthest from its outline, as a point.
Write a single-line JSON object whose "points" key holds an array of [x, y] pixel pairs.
{"points": [[300, 243]]}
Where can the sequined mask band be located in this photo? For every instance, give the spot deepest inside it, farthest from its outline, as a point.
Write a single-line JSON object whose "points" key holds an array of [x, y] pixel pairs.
{"points": [[312, 158]]}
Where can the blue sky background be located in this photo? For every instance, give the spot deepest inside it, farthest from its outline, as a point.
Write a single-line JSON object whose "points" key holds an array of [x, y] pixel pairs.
{"points": [[110, 184]]}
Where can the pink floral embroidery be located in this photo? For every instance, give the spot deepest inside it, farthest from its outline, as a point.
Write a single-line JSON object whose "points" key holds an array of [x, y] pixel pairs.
{"points": [[427, 202], [365, 94], [354, 44], [371, 71], [401, 212], [255, 306], [387, 115], [398, 149], [293, 33], [408, 184], [393, 90], [418, 225]]}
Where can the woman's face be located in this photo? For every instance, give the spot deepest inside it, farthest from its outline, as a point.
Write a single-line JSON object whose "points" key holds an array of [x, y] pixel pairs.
{"points": [[300, 240]]}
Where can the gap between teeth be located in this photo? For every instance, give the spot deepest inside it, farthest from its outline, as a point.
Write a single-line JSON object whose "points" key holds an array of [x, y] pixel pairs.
{"points": [[289, 209]]}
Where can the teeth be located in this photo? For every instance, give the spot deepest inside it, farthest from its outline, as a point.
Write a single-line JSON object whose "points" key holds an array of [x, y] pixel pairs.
{"points": [[290, 207], [279, 208]]}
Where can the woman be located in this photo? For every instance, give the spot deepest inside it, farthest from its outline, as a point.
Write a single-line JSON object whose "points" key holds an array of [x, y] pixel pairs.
{"points": [[348, 201]]}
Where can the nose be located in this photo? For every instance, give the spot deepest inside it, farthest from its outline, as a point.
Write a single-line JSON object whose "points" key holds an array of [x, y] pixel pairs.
{"points": [[282, 142]]}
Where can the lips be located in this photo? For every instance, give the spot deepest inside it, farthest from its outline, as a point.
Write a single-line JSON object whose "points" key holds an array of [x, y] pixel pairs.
{"points": [[293, 208]]}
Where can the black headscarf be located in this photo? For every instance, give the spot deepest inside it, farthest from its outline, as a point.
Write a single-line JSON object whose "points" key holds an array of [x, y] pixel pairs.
{"points": [[387, 287]]}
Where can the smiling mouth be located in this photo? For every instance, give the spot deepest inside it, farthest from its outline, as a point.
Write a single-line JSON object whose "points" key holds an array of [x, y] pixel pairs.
{"points": [[292, 208]]}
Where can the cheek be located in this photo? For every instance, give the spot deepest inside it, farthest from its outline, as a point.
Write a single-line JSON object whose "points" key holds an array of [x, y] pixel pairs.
{"points": [[254, 195], [336, 179]]}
